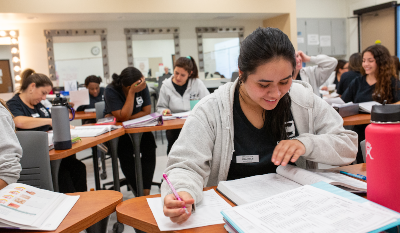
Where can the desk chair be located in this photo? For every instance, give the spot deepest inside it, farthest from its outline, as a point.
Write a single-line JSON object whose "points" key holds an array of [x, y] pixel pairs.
{"points": [[362, 145], [35, 159], [235, 75]]}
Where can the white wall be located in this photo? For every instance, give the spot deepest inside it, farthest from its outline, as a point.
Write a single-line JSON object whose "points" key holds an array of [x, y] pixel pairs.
{"points": [[321, 8], [33, 46]]}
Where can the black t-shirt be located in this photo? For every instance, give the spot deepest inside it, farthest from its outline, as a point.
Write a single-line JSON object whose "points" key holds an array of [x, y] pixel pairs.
{"points": [[345, 81], [19, 108], [115, 99], [93, 100], [249, 140], [181, 89], [360, 91]]}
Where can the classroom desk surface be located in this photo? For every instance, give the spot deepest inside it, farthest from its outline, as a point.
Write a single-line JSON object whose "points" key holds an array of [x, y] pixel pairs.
{"points": [[171, 124], [85, 143], [91, 207], [135, 212], [358, 119], [81, 115]]}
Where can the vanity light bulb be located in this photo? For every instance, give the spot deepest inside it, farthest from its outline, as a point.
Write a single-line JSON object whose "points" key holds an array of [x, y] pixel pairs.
{"points": [[12, 33], [18, 78], [14, 41], [17, 68], [15, 59], [2, 33], [14, 50]]}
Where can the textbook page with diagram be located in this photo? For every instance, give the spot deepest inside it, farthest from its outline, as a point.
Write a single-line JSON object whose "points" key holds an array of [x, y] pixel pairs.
{"points": [[255, 188], [26, 207]]}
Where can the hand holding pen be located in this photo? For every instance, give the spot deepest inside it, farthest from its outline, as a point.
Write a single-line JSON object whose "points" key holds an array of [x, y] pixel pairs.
{"points": [[177, 206]]}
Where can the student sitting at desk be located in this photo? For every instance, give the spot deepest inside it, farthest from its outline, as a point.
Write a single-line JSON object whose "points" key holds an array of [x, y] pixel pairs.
{"points": [[378, 83], [255, 117], [314, 75], [335, 78], [128, 97], [355, 63], [96, 94], [177, 92], [30, 114], [10, 149]]}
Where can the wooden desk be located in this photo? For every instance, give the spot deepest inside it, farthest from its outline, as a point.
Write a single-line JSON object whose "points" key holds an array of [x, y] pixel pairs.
{"points": [[89, 209], [81, 115], [136, 212], [135, 134], [57, 155], [359, 119]]}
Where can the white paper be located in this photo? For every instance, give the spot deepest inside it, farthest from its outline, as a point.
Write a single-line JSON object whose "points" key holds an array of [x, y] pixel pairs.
{"points": [[92, 131], [367, 106], [337, 177], [310, 209], [300, 40], [1, 72], [325, 41], [79, 98], [70, 85], [208, 212], [312, 39], [177, 115]]}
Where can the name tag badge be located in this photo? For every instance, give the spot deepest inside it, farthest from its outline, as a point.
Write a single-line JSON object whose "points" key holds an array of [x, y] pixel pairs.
{"points": [[247, 159], [34, 115]]}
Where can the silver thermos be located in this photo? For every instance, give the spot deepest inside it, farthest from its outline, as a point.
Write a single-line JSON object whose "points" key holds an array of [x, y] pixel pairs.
{"points": [[60, 120]]}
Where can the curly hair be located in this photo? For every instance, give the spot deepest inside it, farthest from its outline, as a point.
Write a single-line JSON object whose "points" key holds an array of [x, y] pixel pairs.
{"points": [[384, 73]]}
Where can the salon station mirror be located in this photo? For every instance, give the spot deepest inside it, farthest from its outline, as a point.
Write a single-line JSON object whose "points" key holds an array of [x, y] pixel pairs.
{"points": [[75, 54], [152, 49], [218, 49], [10, 67]]}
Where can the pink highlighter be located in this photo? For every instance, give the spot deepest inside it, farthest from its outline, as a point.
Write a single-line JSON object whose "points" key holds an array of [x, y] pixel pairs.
{"points": [[174, 191]]}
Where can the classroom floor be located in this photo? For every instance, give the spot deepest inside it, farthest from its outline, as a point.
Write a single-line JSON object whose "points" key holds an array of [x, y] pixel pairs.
{"points": [[161, 162]]}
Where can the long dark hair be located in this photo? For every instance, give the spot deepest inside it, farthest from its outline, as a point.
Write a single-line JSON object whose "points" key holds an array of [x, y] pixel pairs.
{"points": [[355, 62], [340, 65], [260, 47], [384, 73], [127, 77], [92, 79], [29, 76], [188, 64]]}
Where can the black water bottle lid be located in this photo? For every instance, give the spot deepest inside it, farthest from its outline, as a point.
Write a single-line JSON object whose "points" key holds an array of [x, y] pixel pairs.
{"points": [[385, 113], [60, 101]]}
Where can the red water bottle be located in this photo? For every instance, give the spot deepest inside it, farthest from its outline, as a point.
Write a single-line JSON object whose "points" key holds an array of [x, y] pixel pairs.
{"points": [[382, 142]]}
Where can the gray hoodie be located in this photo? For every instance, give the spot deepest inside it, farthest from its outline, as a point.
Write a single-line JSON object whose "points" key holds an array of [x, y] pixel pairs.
{"points": [[10, 149], [202, 154], [170, 99], [317, 75]]}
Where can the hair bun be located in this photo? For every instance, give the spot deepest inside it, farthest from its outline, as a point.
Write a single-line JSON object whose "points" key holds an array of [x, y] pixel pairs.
{"points": [[115, 76]]}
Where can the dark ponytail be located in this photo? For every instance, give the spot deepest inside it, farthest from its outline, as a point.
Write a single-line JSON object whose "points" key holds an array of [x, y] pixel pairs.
{"points": [[92, 79], [29, 76], [260, 47], [127, 77], [188, 64]]}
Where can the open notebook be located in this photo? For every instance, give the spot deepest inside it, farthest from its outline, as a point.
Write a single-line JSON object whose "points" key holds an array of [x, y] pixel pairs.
{"points": [[286, 178], [367, 106], [177, 116], [145, 121], [26, 207]]}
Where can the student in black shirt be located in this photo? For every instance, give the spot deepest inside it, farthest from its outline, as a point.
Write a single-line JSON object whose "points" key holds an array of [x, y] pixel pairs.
{"points": [[30, 114], [340, 69], [96, 94], [355, 63], [378, 83], [128, 97]]}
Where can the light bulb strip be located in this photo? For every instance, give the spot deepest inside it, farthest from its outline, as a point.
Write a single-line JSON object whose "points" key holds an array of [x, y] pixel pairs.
{"points": [[15, 52]]}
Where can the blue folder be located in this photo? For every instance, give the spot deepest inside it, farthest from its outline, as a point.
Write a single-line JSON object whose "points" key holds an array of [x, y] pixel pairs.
{"points": [[335, 190]]}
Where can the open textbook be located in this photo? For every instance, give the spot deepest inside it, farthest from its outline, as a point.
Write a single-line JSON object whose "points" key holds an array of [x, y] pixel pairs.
{"points": [[255, 188], [88, 131], [26, 207], [311, 208], [177, 116], [367, 106]]}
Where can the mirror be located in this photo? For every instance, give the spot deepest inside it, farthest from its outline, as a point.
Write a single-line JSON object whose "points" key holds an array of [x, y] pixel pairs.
{"points": [[75, 54], [76, 58], [152, 49], [10, 67], [219, 49]]}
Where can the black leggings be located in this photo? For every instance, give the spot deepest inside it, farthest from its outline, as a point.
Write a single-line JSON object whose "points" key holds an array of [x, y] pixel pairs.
{"points": [[72, 175], [172, 136], [127, 161]]}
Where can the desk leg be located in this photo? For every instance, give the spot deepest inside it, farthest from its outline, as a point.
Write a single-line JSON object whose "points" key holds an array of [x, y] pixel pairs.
{"points": [[135, 137], [114, 161], [55, 167], [100, 226], [96, 168]]}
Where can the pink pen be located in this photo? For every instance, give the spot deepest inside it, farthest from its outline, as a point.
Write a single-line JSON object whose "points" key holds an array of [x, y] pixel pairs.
{"points": [[174, 191]]}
